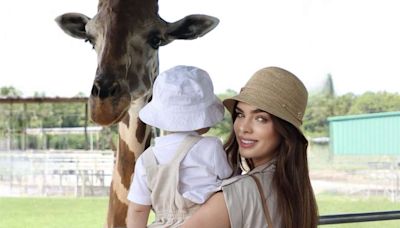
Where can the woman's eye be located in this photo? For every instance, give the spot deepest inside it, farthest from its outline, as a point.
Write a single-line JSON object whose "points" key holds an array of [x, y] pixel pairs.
{"points": [[240, 115], [261, 119]]}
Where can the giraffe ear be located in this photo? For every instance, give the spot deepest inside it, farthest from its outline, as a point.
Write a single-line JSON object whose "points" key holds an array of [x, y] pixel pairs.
{"points": [[73, 24], [191, 27]]}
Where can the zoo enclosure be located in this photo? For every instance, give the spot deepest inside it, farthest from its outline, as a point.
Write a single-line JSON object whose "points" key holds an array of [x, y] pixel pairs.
{"points": [[78, 172], [49, 147], [55, 173]]}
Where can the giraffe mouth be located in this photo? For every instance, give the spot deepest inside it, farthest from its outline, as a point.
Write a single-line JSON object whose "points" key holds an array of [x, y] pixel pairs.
{"points": [[108, 111]]}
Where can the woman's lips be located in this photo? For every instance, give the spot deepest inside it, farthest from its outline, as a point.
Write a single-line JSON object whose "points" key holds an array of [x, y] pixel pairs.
{"points": [[246, 143]]}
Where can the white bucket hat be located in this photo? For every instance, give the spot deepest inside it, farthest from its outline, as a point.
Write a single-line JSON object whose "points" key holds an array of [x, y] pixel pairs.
{"points": [[183, 100]]}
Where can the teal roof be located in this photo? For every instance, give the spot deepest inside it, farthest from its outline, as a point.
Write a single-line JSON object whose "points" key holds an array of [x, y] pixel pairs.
{"points": [[363, 116]]}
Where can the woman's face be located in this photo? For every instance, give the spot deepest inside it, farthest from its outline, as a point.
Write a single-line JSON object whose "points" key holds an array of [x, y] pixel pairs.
{"points": [[255, 134]]}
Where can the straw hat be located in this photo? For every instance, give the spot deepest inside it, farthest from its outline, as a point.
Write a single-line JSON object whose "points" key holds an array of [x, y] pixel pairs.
{"points": [[183, 100], [275, 91]]}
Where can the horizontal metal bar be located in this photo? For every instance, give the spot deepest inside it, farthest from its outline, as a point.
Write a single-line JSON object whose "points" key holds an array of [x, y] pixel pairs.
{"points": [[358, 217], [28, 100]]}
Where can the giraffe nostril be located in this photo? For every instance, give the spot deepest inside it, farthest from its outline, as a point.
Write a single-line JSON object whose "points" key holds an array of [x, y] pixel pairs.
{"points": [[95, 90], [114, 89]]}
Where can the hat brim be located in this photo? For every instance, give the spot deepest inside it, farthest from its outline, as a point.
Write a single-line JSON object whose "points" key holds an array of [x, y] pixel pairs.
{"points": [[174, 120], [230, 103]]}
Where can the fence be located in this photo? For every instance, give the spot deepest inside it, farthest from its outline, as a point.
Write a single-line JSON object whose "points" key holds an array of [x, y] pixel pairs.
{"points": [[88, 173], [46, 173], [354, 175]]}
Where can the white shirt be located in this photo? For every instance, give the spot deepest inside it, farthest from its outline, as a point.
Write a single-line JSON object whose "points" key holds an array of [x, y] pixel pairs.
{"points": [[201, 171]]}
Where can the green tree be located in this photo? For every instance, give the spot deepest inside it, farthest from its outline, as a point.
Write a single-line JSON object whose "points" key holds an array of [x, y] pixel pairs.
{"points": [[370, 102], [16, 117], [328, 89], [223, 128], [9, 91], [342, 104], [319, 107], [39, 94]]}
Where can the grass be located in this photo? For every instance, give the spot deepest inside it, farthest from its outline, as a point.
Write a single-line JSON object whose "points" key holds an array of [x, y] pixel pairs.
{"points": [[336, 204], [48, 212], [91, 212]]}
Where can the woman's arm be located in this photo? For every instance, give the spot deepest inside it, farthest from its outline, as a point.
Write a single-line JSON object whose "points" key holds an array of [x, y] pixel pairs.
{"points": [[212, 213], [137, 215]]}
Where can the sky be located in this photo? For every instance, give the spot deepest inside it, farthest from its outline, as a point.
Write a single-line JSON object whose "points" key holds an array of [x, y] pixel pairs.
{"points": [[356, 41]]}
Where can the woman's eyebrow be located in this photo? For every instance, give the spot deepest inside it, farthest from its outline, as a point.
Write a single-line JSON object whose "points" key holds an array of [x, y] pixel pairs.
{"points": [[258, 111], [237, 109]]}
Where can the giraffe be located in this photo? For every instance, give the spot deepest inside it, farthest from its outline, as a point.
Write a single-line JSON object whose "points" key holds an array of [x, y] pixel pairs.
{"points": [[126, 35]]}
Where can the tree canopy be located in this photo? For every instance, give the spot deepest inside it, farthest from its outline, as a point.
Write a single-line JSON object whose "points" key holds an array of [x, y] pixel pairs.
{"points": [[321, 105]]}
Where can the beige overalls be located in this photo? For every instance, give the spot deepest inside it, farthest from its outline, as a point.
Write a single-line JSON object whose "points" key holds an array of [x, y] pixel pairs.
{"points": [[170, 207]]}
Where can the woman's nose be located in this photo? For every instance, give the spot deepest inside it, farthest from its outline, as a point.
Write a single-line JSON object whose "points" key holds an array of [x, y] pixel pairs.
{"points": [[244, 126]]}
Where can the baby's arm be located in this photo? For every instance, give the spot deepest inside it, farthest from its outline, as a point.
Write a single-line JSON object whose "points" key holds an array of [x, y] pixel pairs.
{"points": [[221, 166], [138, 212], [212, 214], [137, 215]]}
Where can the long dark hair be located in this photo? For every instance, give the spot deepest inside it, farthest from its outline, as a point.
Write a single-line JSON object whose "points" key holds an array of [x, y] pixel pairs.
{"points": [[296, 201]]}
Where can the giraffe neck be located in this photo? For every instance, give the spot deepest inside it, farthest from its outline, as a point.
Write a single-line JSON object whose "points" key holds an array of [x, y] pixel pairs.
{"points": [[134, 136], [132, 131]]}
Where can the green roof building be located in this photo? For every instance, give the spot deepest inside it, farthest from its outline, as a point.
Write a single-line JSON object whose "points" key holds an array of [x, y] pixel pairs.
{"points": [[367, 134]]}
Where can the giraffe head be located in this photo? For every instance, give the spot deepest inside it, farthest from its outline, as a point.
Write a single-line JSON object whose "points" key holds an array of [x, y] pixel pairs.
{"points": [[126, 35]]}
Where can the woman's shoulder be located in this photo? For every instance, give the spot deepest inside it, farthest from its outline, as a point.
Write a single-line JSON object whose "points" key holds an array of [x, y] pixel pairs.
{"points": [[241, 194], [240, 181]]}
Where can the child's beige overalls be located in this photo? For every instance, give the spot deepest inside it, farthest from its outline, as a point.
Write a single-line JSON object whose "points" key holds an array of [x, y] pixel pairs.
{"points": [[170, 208]]}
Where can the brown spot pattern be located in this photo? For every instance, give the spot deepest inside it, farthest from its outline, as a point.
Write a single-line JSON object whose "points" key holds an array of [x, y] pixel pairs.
{"points": [[126, 161], [126, 119], [117, 210], [148, 140], [140, 131]]}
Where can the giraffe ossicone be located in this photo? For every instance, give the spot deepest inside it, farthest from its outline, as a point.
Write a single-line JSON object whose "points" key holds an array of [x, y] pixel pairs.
{"points": [[126, 35]]}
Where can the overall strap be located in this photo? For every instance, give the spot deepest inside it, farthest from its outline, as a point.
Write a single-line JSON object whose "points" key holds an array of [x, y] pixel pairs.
{"points": [[264, 201], [150, 161], [187, 143]]}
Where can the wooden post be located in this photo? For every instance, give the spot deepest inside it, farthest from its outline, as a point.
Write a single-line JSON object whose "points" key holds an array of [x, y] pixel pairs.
{"points": [[85, 127]]}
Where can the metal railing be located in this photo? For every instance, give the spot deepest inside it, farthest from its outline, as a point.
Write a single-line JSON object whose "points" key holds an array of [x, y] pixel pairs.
{"points": [[359, 217], [55, 173]]}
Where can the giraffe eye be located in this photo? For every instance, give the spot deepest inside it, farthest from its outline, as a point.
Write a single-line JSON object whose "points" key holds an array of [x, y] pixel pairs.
{"points": [[155, 42]]}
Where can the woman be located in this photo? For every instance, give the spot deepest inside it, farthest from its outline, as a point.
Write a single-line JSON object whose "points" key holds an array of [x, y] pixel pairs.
{"points": [[266, 143]]}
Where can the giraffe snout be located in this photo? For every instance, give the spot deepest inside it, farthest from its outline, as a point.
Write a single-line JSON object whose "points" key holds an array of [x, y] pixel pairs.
{"points": [[105, 89]]}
